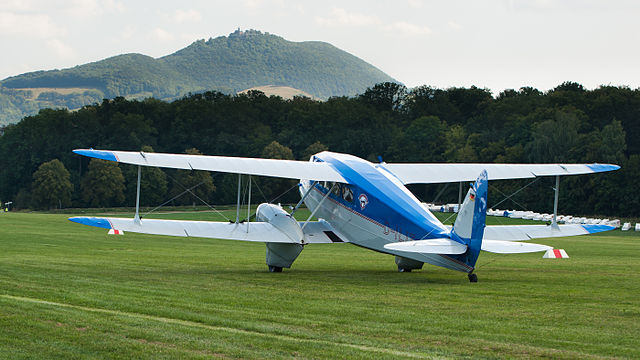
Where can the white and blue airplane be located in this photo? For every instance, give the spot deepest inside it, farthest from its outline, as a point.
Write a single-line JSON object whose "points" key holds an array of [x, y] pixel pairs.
{"points": [[359, 202]]}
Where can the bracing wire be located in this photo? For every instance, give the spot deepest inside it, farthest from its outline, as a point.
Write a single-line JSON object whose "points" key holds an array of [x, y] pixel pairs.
{"points": [[515, 192], [188, 190], [281, 195]]}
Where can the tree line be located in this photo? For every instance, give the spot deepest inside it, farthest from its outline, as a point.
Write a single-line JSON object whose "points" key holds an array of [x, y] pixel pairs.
{"points": [[568, 124]]}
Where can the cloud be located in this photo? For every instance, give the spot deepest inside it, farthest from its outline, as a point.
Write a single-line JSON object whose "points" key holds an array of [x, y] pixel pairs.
{"points": [[82, 8], [415, 3], [114, 6], [33, 25], [128, 32], [186, 16], [92, 8], [255, 4], [61, 49], [17, 5], [340, 17], [454, 25], [161, 35], [408, 29]]}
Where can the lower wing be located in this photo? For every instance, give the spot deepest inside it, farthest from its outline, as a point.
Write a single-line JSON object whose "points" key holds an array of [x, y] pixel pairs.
{"points": [[528, 232], [318, 232]]}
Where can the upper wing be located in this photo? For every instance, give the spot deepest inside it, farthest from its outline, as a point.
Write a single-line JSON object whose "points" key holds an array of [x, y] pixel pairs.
{"points": [[315, 233], [452, 172], [292, 169]]}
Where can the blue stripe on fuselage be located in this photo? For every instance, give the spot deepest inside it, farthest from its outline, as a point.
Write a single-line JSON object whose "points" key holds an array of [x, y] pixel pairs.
{"points": [[390, 203]]}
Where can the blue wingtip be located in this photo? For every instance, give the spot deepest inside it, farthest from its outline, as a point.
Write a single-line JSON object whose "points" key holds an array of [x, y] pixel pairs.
{"points": [[603, 167], [592, 229], [98, 154], [92, 221]]}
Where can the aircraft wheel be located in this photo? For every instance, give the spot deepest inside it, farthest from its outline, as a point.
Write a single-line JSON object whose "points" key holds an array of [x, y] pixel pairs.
{"points": [[403, 270], [275, 268], [473, 278]]}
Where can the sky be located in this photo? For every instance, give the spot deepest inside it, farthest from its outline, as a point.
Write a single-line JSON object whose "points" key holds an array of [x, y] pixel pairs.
{"points": [[494, 44]]}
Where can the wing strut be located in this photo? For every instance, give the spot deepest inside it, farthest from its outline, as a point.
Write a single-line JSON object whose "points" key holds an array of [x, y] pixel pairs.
{"points": [[238, 206], [313, 184], [319, 204], [459, 196], [136, 218], [249, 205], [554, 223]]}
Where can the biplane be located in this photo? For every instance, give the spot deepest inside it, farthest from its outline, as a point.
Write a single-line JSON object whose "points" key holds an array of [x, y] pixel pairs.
{"points": [[359, 202]]}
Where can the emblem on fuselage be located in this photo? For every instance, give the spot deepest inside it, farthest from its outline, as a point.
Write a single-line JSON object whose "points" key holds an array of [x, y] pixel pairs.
{"points": [[364, 200]]}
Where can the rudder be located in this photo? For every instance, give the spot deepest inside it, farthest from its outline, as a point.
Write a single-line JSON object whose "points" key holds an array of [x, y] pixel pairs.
{"points": [[469, 225]]}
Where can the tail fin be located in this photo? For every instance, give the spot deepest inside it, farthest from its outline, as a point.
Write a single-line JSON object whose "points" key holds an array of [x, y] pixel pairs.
{"points": [[469, 226]]}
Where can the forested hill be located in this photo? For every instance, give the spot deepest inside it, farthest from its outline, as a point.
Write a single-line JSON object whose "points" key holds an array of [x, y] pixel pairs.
{"points": [[228, 64], [568, 124]]}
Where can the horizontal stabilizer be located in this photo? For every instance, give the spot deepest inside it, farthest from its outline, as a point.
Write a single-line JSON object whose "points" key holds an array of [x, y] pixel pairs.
{"points": [[512, 247], [432, 246]]}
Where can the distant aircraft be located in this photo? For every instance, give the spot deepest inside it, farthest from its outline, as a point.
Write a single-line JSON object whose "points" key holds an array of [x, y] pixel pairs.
{"points": [[359, 202]]}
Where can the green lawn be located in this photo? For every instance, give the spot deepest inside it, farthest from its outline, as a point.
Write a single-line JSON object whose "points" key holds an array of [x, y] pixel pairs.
{"points": [[71, 291]]}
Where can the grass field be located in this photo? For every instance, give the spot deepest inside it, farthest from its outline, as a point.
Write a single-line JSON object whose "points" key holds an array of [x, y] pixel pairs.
{"points": [[71, 291]]}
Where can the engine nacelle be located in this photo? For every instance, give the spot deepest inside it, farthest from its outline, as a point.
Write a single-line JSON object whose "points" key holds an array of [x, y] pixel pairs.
{"points": [[281, 220], [281, 255]]}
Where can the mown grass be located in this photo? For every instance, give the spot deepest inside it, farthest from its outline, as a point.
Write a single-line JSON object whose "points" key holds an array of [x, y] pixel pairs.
{"points": [[70, 291]]}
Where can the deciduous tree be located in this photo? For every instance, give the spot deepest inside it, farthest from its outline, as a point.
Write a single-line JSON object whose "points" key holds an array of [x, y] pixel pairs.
{"points": [[103, 184], [51, 186]]}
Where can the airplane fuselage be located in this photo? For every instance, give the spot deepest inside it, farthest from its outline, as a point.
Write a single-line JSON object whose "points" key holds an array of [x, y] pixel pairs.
{"points": [[375, 209]]}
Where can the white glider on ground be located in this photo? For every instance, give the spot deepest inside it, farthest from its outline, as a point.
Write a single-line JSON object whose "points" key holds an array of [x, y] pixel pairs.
{"points": [[363, 203]]}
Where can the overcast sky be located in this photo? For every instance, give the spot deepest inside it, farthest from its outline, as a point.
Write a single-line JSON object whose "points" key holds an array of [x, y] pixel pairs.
{"points": [[496, 44]]}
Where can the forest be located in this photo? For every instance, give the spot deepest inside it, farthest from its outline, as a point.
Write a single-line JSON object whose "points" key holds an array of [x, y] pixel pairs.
{"points": [[568, 124]]}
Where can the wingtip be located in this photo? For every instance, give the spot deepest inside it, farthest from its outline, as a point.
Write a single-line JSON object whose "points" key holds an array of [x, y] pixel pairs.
{"points": [[91, 221], [98, 154], [603, 167], [593, 229]]}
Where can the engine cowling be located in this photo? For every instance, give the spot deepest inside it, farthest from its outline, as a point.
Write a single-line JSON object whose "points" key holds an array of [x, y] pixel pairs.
{"points": [[281, 220]]}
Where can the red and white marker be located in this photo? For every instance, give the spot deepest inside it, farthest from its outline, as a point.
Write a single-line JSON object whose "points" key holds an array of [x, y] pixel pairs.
{"points": [[555, 254], [115, 232]]}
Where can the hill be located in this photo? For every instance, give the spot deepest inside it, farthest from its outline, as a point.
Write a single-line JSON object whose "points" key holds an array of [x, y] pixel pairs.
{"points": [[242, 60]]}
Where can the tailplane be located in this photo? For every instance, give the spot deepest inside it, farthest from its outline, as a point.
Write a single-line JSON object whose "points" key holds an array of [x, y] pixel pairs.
{"points": [[469, 225]]}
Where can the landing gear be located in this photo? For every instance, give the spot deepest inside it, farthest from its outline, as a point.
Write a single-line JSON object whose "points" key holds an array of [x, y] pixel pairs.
{"points": [[406, 265], [281, 255], [473, 278]]}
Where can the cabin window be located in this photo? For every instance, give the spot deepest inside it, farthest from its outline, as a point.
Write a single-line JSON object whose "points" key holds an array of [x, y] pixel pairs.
{"points": [[347, 194], [336, 190]]}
